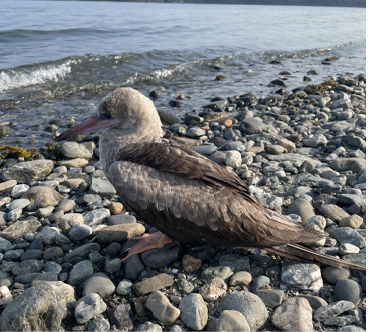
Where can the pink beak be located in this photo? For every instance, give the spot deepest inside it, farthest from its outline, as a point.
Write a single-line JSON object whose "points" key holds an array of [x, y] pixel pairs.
{"points": [[93, 123]]}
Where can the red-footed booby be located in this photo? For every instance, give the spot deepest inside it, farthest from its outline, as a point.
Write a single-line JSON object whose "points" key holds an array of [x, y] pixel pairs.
{"points": [[186, 196]]}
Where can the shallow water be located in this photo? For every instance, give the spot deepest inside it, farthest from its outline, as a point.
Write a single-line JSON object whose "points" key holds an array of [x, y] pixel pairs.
{"points": [[62, 57]]}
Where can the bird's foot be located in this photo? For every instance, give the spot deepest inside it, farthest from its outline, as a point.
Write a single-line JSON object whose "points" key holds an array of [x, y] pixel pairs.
{"points": [[148, 241]]}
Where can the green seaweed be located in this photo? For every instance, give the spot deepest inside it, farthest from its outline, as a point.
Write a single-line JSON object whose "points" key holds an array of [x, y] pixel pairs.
{"points": [[220, 77], [6, 150], [54, 149]]}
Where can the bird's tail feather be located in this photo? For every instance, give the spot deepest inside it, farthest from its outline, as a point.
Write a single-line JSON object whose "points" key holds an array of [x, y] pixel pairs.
{"points": [[302, 253]]}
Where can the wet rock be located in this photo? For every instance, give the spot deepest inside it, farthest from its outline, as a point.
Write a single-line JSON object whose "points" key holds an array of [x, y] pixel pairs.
{"points": [[152, 284], [249, 305], [295, 314], [232, 320], [88, 307], [29, 170], [99, 283], [39, 308], [161, 308], [194, 311]]}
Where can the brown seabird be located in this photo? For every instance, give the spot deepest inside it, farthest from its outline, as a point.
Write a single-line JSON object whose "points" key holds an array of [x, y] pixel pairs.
{"points": [[186, 196]]}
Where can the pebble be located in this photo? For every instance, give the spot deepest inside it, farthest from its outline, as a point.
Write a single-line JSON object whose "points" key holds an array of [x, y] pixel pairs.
{"points": [[354, 221], [124, 287], [79, 232], [96, 217], [223, 272], [271, 298], [88, 307], [98, 283], [122, 317], [71, 150], [117, 233], [249, 305], [133, 267], [241, 278], [80, 272], [295, 314], [259, 282], [301, 207], [235, 262], [161, 308], [349, 235], [194, 311], [232, 320], [333, 274], [101, 187], [213, 289], [315, 301], [66, 205], [98, 325], [152, 284], [332, 310], [348, 290], [20, 228], [301, 275], [29, 170], [7, 185], [160, 257], [150, 327]]}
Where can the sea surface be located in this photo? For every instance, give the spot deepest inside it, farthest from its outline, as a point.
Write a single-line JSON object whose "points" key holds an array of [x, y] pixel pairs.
{"points": [[58, 58]]}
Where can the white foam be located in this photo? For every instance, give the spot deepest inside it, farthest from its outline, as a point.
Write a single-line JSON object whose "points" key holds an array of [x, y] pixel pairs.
{"points": [[16, 78]]}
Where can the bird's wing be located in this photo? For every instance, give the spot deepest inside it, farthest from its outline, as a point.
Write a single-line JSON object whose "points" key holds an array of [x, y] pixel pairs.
{"points": [[198, 196]]}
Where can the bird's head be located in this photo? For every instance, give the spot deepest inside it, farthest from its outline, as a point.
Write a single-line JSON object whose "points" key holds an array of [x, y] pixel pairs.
{"points": [[123, 108]]}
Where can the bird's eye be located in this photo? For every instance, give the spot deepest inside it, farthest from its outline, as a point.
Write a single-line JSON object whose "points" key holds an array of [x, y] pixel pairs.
{"points": [[105, 116]]}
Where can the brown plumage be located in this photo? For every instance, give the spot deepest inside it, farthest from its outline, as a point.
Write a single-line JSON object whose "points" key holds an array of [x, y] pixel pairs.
{"points": [[183, 194]]}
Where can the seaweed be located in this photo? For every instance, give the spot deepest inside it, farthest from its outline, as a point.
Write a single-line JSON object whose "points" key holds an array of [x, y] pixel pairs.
{"points": [[6, 150], [328, 84], [54, 149], [220, 77]]}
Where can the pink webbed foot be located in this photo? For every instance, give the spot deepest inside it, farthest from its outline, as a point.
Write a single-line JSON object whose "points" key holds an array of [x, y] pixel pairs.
{"points": [[148, 241]]}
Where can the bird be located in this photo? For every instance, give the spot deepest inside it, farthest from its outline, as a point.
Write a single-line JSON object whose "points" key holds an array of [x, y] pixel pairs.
{"points": [[186, 196]]}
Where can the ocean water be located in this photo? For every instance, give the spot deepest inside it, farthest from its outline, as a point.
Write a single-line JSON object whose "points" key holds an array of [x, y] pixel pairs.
{"points": [[58, 53]]}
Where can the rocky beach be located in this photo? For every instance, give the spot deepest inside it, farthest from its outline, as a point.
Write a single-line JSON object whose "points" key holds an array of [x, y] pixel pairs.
{"points": [[64, 230]]}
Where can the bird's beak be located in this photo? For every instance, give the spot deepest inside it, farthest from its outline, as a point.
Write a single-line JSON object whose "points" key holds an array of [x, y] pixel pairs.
{"points": [[93, 123]]}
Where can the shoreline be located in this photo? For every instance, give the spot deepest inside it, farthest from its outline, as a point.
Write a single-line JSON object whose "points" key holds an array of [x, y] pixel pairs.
{"points": [[302, 153]]}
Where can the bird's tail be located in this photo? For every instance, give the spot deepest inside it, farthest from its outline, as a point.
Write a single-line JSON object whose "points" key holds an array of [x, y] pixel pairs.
{"points": [[302, 253]]}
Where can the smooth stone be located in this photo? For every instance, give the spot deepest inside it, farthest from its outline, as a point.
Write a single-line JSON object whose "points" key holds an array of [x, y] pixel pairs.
{"points": [[241, 278], [271, 298], [205, 149], [348, 248], [315, 301], [44, 277], [122, 317], [124, 287], [295, 314], [119, 233], [39, 308], [112, 251], [232, 321], [67, 221], [161, 308], [160, 257], [194, 312], [359, 258], [150, 327], [113, 266], [79, 232], [275, 149], [45, 212], [185, 285], [249, 305], [259, 282], [52, 267], [191, 264], [13, 255], [333, 212], [351, 199], [27, 278], [14, 215], [98, 325], [76, 162], [66, 205], [101, 187], [99, 283], [351, 328], [53, 253], [24, 172], [152, 284], [346, 164], [301, 275], [18, 204], [354, 221], [334, 274], [223, 272], [80, 273], [19, 229], [348, 290], [341, 321], [42, 196], [48, 235], [88, 307], [236, 262], [71, 150], [213, 289], [251, 126], [96, 217], [7, 185], [332, 310], [315, 141], [301, 207], [32, 254], [349, 235], [134, 267], [233, 159], [121, 219], [88, 199], [26, 267]]}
